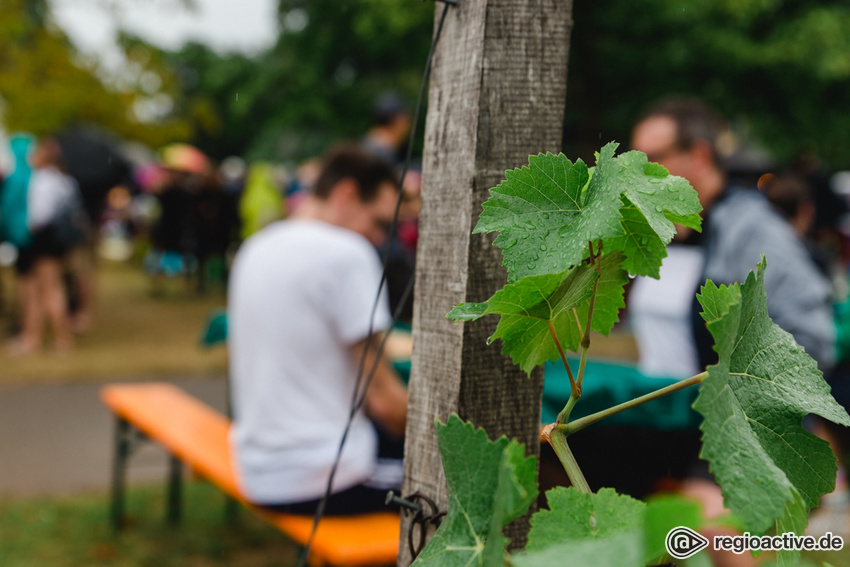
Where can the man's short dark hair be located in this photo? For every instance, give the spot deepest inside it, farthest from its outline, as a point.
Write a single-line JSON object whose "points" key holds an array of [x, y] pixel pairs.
{"points": [[367, 169], [695, 121]]}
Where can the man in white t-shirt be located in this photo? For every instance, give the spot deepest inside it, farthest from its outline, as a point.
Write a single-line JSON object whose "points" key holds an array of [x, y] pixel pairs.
{"points": [[300, 306]]}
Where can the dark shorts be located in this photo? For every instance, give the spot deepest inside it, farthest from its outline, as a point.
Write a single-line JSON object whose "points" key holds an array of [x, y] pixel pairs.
{"points": [[359, 499], [44, 244]]}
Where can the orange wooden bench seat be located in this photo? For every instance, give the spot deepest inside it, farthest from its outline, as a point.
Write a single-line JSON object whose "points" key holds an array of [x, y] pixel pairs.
{"points": [[197, 435]]}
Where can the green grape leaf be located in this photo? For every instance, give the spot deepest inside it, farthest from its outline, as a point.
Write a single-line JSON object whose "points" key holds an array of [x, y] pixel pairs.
{"points": [[617, 550], [530, 304], [643, 249], [576, 515], [663, 513], [527, 307], [547, 212], [753, 402], [793, 521], [517, 488], [606, 308], [490, 484], [653, 200], [663, 199]]}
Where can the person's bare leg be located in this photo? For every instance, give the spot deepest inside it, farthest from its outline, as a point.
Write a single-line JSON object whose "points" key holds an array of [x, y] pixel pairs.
{"points": [[52, 294], [32, 316], [83, 271]]}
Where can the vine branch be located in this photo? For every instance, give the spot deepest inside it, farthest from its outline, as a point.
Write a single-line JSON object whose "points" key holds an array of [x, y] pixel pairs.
{"points": [[558, 440], [579, 424], [574, 387]]}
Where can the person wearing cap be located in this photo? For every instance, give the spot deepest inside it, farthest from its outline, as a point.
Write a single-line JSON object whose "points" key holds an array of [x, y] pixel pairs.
{"points": [[391, 124]]}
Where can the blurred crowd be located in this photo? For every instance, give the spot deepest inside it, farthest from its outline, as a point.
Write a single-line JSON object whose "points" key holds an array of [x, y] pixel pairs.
{"points": [[74, 198]]}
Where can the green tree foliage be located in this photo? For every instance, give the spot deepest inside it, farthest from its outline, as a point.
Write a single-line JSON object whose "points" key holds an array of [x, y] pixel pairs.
{"points": [[46, 85], [315, 86], [780, 68]]}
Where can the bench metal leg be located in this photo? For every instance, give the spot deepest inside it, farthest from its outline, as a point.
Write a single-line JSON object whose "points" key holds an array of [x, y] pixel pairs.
{"points": [[119, 467], [175, 490]]}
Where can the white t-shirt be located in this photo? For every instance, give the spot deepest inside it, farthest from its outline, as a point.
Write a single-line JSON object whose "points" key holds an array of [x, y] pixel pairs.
{"points": [[660, 315], [48, 192], [301, 293]]}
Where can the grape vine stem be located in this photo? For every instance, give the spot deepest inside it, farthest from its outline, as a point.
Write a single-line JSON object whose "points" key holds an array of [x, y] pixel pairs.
{"points": [[558, 440], [579, 424]]}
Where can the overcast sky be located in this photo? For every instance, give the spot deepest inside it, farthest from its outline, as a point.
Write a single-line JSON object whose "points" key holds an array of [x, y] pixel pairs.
{"points": [[246, 26]]}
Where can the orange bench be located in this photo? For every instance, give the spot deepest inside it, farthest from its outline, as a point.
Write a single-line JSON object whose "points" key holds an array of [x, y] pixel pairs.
{"points": [[197, 435]]}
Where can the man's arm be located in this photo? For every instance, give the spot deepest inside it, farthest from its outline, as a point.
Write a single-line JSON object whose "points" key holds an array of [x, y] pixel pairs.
{"points": [[386, 398]]}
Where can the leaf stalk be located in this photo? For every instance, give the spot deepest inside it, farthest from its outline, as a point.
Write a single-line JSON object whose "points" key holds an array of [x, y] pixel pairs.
{"points": [[579, 424], [585, 339], [575, 388], [564, 416]]}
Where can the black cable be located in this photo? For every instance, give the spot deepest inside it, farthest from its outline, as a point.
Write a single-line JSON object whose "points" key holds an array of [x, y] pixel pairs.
{"points": [[362, 384]]}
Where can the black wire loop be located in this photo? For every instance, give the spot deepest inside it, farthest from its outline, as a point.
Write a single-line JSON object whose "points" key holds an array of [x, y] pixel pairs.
{"points": [[425, 515]]}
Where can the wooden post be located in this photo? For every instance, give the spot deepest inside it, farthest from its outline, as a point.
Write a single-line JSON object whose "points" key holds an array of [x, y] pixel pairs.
{"points": [[497, 95]]}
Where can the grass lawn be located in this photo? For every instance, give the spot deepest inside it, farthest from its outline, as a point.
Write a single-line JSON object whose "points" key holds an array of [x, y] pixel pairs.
{"points": [[134, 333], [75, 531]]}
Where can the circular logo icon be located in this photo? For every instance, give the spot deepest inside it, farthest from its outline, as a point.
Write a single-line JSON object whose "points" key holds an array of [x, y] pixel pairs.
{"points": [[683, 542]]}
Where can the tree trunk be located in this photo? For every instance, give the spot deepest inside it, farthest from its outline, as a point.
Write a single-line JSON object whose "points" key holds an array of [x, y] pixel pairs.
{"points": [[497, 94]]}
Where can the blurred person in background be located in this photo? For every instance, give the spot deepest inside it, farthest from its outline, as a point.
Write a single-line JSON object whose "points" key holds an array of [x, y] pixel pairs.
{"points": [[174, 237], [739, 226], [391, 123], [261, 201], [57, 221], [300, 308], [13, 200], [215, 220], [792, 195], [94, 161], [169, 236], [13, 194]]}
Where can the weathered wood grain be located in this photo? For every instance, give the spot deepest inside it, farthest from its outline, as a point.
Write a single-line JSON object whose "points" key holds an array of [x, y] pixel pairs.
{"points": [[497, 94]]}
